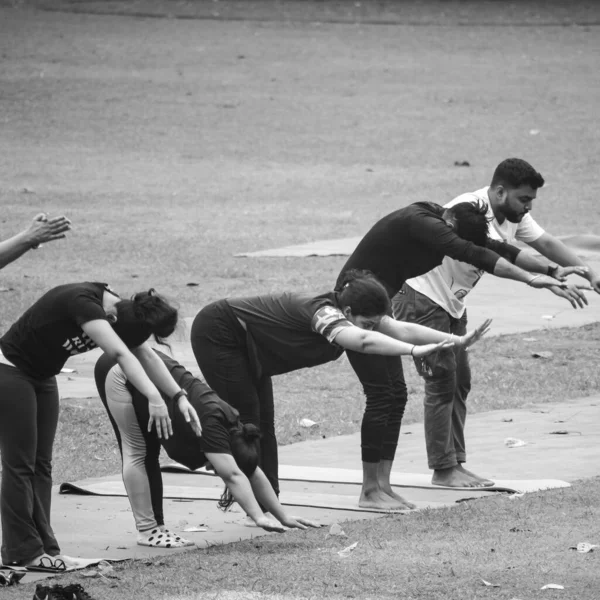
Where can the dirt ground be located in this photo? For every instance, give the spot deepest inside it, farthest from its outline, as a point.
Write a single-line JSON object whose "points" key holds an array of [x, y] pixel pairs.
{"points": [[175, 143]]}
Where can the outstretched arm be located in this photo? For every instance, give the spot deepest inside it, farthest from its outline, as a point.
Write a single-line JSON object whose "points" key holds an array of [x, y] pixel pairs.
{"points": [[553, 249], [249, 492], [380, 342], [419, 334], [40, 231], [267, 497], [240, 488]]}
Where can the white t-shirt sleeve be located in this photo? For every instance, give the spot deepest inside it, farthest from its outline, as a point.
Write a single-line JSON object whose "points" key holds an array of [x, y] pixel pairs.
{"points": [[528, 230]]}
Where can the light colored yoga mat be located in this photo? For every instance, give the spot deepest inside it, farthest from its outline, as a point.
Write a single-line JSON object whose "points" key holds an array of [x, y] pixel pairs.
{"points": [[584, 244], [339, 247], [405, 480], [183, 492]]}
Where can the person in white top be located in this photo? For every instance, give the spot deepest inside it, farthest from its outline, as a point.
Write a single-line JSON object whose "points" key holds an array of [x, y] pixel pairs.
{"points": [[436, 300]]}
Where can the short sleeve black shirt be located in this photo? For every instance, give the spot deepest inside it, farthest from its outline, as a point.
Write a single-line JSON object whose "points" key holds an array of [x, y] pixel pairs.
{"points": [[49, 332], [284, 331]]}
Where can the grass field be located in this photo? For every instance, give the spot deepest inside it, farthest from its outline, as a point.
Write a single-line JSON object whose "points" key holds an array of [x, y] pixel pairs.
{"points": [[173, 144]]}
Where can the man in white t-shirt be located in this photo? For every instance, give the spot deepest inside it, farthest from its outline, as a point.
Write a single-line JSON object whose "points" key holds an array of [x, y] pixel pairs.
{"points": [[436, 299]]}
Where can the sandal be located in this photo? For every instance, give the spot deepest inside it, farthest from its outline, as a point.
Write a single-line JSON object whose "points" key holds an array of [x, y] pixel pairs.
{"points": [[11, 578], [47, 564], [178, 538], [157, 538]]}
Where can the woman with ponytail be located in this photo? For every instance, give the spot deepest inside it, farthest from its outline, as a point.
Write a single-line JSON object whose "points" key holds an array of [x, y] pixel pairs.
{"points": [[67, 320], [241, 343], [226, 446]]}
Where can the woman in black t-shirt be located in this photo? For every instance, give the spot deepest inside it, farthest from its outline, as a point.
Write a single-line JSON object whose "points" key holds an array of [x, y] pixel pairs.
{"points": [[240, 343], [67, 320], [230, 448]]}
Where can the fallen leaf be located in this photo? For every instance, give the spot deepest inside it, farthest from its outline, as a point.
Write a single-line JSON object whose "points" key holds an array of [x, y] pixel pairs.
{"points": [[97, 457], [347, 550], [489, 584], [192, 284], [507, 420], [514, 442], [552, 586], [542, 354], [462, 163], [307, 423], [564, 432]]}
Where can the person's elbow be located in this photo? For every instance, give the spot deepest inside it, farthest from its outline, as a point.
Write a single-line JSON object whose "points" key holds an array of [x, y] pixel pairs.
{"points": [[362, 341], [119, 354]]}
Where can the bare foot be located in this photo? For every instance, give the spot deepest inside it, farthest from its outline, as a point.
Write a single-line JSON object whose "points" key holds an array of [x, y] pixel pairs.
{"points": [[378, 499], [455, 477], [483, 480], [388, 490]]}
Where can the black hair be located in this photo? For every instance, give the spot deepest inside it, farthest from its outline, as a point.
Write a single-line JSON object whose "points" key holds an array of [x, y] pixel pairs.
{"points": [[512, 173], [145, 314], [363, 293], [245, 449], [471, 221]]}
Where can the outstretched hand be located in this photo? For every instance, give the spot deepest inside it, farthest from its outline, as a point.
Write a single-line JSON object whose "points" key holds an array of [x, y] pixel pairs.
{"points": [[561, 273], [427, 349], [43, 229], [299, 523], [473, 336], [270, 524], [573, 293]]}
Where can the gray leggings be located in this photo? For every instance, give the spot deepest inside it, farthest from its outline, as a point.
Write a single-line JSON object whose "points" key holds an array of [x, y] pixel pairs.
{"points": [[133, 448]]}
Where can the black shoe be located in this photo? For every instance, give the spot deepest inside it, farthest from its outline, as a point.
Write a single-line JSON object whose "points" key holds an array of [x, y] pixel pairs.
{"points": [[75, 591], [45, 592], [56, 592]]}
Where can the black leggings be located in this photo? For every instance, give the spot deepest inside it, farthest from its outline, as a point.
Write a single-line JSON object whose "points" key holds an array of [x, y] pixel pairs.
{"points": [[221, 350], [382, 378], [28, 421]]}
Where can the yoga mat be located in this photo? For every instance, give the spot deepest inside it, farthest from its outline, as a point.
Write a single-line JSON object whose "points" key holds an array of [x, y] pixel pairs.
{"points": [[183, 492], [410, 480], [338, 247], [584, 244]]}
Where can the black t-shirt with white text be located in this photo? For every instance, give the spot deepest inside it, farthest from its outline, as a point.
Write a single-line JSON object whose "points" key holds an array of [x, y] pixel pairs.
{"points": [[49, 332]]}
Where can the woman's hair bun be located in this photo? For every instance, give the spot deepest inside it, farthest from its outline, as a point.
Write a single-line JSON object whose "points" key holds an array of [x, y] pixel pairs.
{"points": [[250, 432]]}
